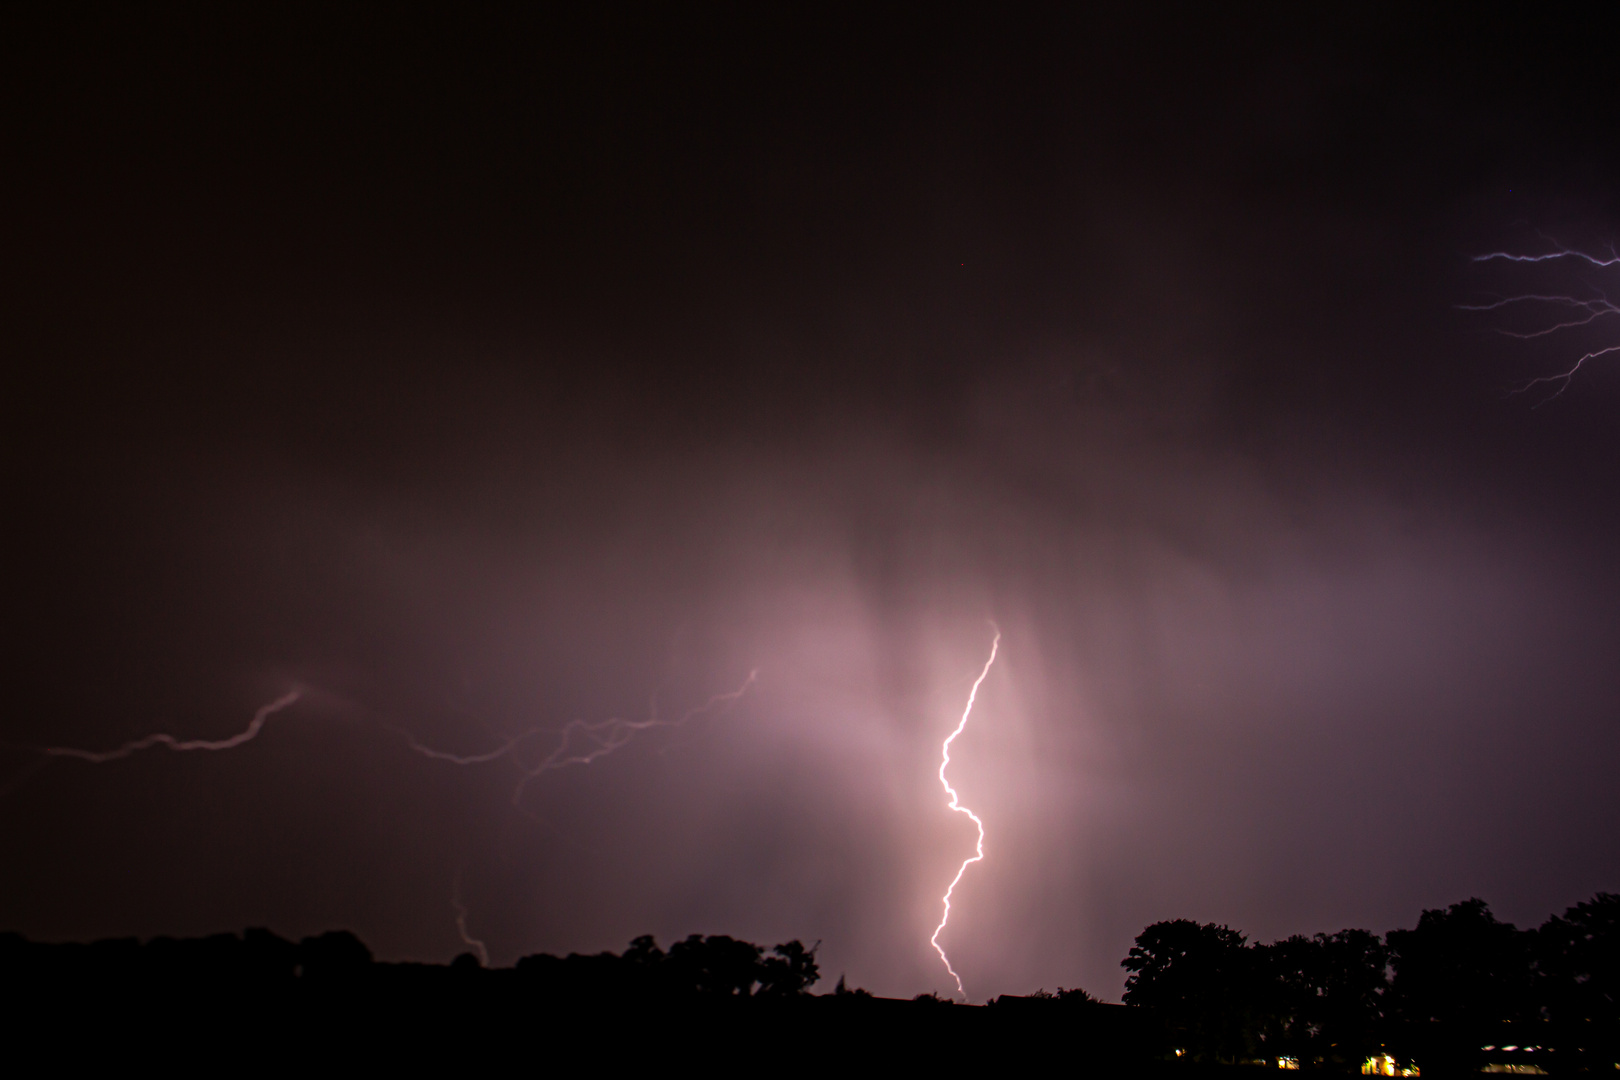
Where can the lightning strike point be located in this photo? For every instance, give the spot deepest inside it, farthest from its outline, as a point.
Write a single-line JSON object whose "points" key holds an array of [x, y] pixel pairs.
{"points": [[954, 804]]}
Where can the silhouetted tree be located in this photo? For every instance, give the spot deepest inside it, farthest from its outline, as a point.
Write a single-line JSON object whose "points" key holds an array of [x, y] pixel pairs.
{"points": [[1291, 978], [1197, 979], [644, 952], [717, 966], [1323, 996], [1578, 957], [791, 971], [1459, 976]]}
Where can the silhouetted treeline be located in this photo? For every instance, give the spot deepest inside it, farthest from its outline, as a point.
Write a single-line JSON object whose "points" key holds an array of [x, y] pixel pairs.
{"points": [[717, 966], [260, 962], [1460, 991], [713, 1001]]}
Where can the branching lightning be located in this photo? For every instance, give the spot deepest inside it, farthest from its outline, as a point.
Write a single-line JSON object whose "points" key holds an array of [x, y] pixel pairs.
{"points": [[955, 804], [602, 737], [599, 738], [1582, 311], [247, 734], [579, 742]]}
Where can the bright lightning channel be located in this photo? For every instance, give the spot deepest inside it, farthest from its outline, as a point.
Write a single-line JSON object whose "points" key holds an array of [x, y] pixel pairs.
{"points": [[955, 804], [247, 734], [1583, 310]]}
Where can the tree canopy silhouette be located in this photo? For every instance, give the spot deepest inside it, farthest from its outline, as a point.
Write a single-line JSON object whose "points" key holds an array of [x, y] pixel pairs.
{"points": [[1460, 975], [1579, 979], [1195, 978]]}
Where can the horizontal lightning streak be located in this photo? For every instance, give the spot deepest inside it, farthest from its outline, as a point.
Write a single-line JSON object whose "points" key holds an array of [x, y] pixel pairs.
{"points": [[954, 804], [471, 759], [1595, 309], [1568, 301], [1567, 254], [179, 745]]}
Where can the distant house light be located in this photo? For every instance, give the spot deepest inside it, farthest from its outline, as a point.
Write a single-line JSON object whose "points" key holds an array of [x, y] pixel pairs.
{"points": [[1287, 1063], [1384, 1065]]}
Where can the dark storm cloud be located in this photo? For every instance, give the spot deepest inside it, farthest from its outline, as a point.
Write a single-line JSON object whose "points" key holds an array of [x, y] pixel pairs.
{"points": [[477, 377]]}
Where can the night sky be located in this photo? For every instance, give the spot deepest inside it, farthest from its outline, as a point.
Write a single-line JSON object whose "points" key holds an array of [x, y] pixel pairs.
{"points": [[477, 372]]}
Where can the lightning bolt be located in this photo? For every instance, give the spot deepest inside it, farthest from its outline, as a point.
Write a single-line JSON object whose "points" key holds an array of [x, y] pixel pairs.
{"points": [[247, 734], [1582, 311], [955, 804]]}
